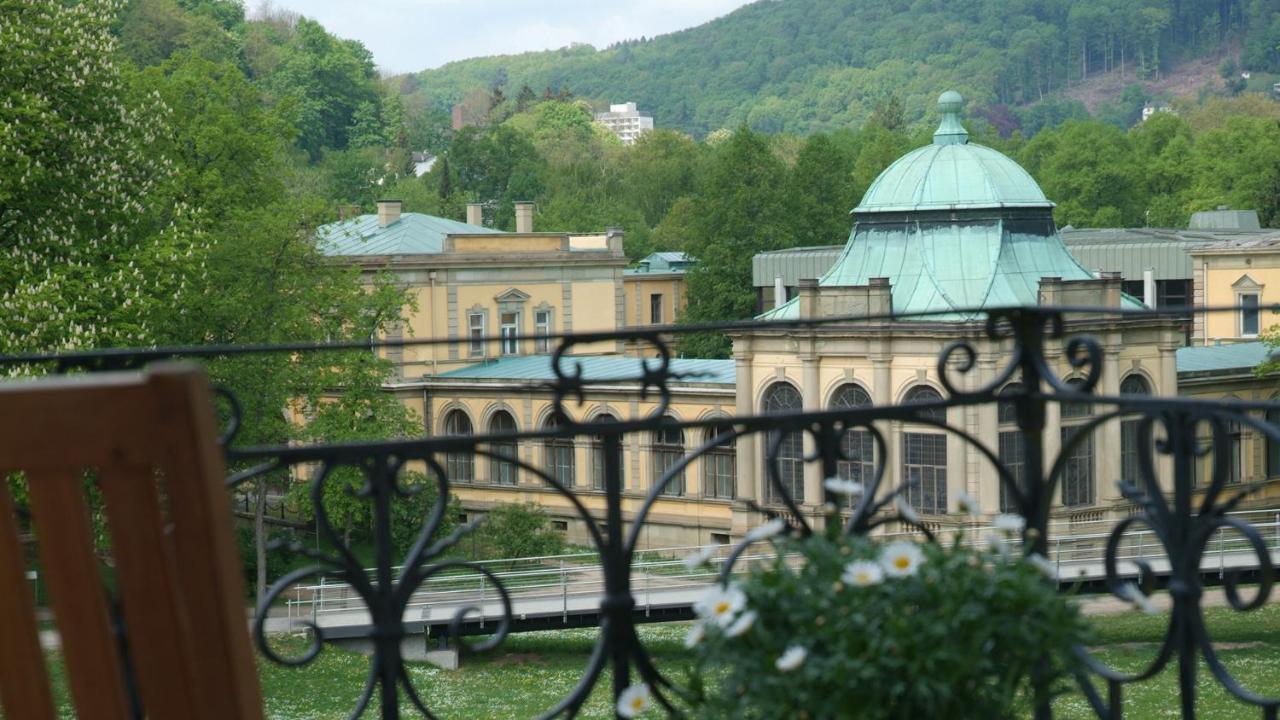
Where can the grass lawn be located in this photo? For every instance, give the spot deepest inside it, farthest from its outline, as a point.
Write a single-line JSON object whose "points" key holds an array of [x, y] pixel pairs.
{"points": [[530, 673]]}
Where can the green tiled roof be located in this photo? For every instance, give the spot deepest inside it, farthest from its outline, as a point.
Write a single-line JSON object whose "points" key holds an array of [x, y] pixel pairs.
{"points": [[595, 368], [412, 234], [662, 262], [1235, 356]]}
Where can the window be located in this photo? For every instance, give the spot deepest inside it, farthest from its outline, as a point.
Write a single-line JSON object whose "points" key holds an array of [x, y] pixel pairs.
{"points": [[857, 447], [502, 472], [510, 333], [1248, 314], [1077, 472], [597, 456], [542, 330], [1011, 450], [1273, 446], [1236, 466], [655, 308], [559, 454], [475, 331], [668, 451], [924, 458], [459, 464], [789, 461], [1131, 385], [719, 465]]}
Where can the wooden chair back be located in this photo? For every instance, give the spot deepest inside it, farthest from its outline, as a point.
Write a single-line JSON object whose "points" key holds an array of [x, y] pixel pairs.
{"points": [[149, 442]]}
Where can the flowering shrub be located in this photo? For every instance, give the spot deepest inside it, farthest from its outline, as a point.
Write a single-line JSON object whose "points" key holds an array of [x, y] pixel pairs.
{"points": [[843, 627]]}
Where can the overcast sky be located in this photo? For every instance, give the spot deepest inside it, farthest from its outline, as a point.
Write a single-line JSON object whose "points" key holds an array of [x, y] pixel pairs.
{"points": [[408, 35]]}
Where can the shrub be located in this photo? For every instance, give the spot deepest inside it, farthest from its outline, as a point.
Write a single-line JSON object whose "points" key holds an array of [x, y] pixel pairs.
{"points": [[518, 530], [859, 629]]}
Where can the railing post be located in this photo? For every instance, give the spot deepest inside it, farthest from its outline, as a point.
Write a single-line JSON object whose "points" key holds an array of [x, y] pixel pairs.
{"points": [[564, 594], [482, 613]]}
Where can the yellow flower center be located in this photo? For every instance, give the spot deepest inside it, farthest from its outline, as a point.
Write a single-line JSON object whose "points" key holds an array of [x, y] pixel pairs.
{"points": [[722, 607], [902, 562], [864, 577], [637, 703]]}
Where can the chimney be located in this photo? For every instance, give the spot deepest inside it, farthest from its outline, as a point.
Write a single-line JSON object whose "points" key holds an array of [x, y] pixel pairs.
{"points": [[388, 212], [1149, 288], [779, 291], [808, 293], [475, 214], [524, 217]]}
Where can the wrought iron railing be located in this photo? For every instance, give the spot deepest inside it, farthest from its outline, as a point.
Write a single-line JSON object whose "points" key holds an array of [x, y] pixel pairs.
{"points": [[1171, 515]]}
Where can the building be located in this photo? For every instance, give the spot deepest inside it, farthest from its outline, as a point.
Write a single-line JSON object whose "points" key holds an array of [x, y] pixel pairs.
{"points": [[946, 233], [1242, 272], [470, 282], [626, 121], [655, 289]]}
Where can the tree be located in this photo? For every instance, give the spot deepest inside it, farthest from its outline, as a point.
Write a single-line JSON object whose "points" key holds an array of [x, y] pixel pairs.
{"points": [[366, 129], [95, 239], [822, 192], [744, 211], [515, 530]]}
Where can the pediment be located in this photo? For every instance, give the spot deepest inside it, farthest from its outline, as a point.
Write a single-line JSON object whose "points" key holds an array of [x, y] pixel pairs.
{"points": [[1246, 284], [511, 295]]}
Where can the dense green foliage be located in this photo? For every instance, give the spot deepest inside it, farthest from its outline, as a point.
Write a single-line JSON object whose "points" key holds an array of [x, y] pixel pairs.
{"points": [[518, 530], [803, 65]]}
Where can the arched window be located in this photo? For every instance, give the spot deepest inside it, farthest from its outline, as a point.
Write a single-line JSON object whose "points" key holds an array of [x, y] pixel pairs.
{"points": [[1134, 384], [1077, 473], [1012, 451], [857, 446], [502, 472], [559, 454], [668, 451], [597, 456], [459, 464], [924, 458], [1273, 446], [780, 398], [719, 465]]}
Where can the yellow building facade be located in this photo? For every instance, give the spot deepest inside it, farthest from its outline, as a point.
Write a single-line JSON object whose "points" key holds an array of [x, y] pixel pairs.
{"points": [[1244, 274]]}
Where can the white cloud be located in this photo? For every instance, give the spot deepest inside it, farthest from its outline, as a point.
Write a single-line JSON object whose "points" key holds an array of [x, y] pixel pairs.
{"points": [[408, 35]]}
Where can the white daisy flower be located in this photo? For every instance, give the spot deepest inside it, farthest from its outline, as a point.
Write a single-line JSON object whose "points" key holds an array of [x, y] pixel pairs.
{"points": [[1131, 592], [634, 701], [721, 604], [1042, 564], [767, 530], [699, 557], [1009, 523], [742, 624], [901, 558], [968, 504], [995, 543], [840, 486], [697, 632], [862, 573], [791, 659], [907, 512]]}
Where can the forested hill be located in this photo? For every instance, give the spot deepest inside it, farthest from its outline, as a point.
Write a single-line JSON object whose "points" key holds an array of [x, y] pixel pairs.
{"points": [[803, 65]]}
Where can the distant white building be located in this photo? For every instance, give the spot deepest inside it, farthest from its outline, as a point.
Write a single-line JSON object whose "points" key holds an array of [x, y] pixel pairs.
{"points": [[626, 121], [422, 163], [1149, 110]]}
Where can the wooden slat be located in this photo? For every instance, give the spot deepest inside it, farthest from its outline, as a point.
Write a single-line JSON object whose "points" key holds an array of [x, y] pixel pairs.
{"points": [[70, 568], [153, 613], [24, 681], [208, 566]]}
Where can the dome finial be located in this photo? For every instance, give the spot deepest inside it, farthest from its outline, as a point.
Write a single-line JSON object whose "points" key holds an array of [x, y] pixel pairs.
{"points": [[950, 131]]}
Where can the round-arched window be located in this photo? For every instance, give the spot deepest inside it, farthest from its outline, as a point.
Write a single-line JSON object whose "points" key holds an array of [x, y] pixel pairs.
{"points": [[779, 398]]}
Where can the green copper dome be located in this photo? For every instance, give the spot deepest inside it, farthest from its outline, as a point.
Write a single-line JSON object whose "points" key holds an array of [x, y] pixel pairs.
{"points": [[952, 174]]}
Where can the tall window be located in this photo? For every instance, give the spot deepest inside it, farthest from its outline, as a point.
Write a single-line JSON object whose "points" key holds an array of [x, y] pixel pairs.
{"points": [[559, 454], [542, 330], [655, 308], [719, 465], [1131, 385], [924, 458], [1273, 447], [857, 446], [502, 472], [459, 464], [1236, 466], [1248, 314], [668, 450], [1077, 474], [1012, 452], [475, 332], [780, 398], [510, 331], [597, 455]]}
